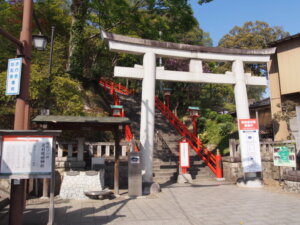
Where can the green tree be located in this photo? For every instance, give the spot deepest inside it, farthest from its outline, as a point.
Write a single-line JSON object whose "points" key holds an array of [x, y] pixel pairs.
{"points": [[76, 45], [252, 35], [204, 1]]}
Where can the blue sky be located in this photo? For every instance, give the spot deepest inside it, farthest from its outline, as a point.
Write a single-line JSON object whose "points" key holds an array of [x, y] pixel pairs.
{"points": [[220, 16]]}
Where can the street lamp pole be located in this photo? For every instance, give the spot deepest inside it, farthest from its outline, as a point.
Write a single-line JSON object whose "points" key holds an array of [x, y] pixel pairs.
{"points": [[48, 101], [51, 50], [17, 193]]}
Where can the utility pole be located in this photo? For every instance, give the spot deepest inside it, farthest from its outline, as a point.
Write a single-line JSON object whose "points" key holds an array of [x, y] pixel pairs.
{"points": [[17, 193]]}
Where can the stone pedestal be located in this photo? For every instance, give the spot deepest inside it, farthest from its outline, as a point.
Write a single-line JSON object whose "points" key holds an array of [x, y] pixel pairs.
{"points": [[250, 182], [184, 178]]}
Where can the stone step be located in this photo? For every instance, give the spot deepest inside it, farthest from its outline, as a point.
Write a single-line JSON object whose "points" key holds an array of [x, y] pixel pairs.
{"points": [[165, 174], [158, 160], [165, 167], [161, 171], [162, 180]]}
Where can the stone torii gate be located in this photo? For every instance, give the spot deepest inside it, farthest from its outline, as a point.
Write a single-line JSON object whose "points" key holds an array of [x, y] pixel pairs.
{"points": [[148, 72]]}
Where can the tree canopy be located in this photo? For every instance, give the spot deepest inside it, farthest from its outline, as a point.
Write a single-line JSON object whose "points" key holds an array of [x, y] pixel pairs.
{"points": [[252, 35]]}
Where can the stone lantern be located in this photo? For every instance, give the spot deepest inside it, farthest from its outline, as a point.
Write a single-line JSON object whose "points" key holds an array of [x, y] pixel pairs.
{"points": [[117, 110], [194, 112]]}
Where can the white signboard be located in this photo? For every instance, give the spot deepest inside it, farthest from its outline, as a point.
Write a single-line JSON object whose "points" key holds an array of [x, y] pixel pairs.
{"points": [[26, 156], [250, 147], [184, 154], [13, 78]]}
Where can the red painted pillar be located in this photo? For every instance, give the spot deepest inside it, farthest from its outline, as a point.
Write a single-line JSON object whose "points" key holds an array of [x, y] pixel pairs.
{"points": [[167, 99], [194, 118], [219, 165]]}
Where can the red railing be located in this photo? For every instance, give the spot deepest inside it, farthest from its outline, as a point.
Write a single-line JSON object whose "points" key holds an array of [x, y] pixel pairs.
{"points": [[113, 90], [118, 88], [212, 161]]}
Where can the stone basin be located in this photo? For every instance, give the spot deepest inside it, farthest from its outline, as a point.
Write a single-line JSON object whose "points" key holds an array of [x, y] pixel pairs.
{"points": [[99, 194]]}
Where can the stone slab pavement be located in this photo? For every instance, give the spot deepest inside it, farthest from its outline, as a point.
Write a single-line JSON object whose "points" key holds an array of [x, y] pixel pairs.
{"points": [[184, 204]]}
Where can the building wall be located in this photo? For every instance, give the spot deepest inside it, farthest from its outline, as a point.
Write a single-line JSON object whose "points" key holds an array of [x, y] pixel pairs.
{"points": [[280, 128], [288, 56], [264, 121]]}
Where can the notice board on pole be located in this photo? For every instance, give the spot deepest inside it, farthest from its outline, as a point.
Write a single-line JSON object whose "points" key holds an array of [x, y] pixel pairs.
{"points": [[250, 146], [26, 156], [284, 155]]}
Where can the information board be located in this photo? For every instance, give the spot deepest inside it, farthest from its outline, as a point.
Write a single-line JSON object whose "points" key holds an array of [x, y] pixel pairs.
{"points": [[26, 156], [13, 78], [184, 154], [250, 146], [284, 155]]}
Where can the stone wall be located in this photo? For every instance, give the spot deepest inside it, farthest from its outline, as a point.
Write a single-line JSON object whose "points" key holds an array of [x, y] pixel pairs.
{"points": [[75, 183], [4, 188], [232, 169]]}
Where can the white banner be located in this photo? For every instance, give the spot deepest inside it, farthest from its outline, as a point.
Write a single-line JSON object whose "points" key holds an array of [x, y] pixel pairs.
{"points": [[13, 79], [184, 154], [250, 146]]}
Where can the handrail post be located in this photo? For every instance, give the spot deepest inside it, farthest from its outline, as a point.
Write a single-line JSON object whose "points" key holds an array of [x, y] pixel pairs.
{"points": [[219, 174]]}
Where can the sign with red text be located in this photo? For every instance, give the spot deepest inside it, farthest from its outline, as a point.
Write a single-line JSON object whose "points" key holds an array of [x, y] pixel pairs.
{"points": [[184, 154], [250, 146], [24, 156]]}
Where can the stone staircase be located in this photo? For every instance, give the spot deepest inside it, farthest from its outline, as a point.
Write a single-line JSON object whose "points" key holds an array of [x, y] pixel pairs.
{"points": [[165, 155]]}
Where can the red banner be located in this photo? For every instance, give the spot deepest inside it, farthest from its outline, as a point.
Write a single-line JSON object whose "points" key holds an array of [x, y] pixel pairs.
{"points": [[248, 124]]}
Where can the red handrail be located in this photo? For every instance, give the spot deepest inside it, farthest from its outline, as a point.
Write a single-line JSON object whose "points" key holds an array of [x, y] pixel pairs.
{"points": [[120, 89], [210, 159], [113, 90]]}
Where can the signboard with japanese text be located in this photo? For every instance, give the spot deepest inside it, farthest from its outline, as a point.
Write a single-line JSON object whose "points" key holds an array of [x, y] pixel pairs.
{"points": [[284, 155], [250, 146], [184, 154], [13, 79], [26, 156]]}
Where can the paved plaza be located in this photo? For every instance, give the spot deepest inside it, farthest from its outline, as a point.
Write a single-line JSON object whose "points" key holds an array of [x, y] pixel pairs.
{"points": [[209, 204]]}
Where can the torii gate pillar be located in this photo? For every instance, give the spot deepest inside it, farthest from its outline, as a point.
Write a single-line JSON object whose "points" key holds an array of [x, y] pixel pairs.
{"points": [[148, 115], [240, 90]]}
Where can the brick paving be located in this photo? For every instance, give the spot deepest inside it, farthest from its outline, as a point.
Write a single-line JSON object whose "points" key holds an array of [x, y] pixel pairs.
{"points": [[207, 204]]}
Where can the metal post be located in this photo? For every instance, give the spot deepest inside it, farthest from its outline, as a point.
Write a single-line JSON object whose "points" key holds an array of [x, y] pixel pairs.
{"points": [[51, 50], [47, 103], [17, 195], [117, 160], [52, 186]]}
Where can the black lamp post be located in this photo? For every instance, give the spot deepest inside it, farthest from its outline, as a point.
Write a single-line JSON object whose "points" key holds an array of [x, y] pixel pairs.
{"points": [[40, 43]]}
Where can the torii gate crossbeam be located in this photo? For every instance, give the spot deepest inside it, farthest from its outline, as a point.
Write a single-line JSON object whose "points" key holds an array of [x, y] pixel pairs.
{"points": [[148, 72]]}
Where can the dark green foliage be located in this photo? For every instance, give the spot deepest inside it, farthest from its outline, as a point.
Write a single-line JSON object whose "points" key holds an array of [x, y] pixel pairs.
{"points": [[204, 1], [76, 48], [216, 129]]}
